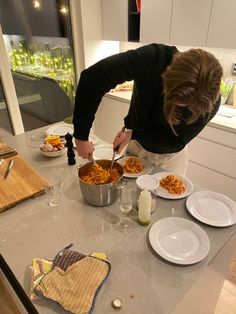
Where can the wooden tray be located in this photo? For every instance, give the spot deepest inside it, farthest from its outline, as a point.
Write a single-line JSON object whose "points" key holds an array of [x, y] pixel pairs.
{"points": [[22, 182]]}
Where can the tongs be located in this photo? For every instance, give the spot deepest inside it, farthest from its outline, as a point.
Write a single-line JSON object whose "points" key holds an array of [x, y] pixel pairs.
{"points": [[113, 157], [115, 150]]}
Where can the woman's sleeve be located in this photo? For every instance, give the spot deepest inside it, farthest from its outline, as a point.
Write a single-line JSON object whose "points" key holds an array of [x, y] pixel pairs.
{"points": [[95, 82]]}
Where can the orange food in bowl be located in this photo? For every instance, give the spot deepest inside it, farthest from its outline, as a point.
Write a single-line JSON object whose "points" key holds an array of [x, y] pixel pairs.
{"points": [[53, 140], [52, 144]]}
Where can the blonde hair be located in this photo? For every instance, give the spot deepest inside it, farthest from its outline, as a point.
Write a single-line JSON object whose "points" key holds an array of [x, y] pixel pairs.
{"points": [[192, 80]]}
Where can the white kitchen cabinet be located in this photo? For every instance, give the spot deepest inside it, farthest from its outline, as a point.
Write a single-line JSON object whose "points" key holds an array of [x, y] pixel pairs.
{"points": [[155, 21], [115, 20], [202, 23], [110, 118], [178, 22], [212, 157], [212, 180], [190, 20], [222, 27]]}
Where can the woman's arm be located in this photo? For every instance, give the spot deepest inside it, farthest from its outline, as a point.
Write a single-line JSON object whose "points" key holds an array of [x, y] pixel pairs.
{"points": [[94, 83]]}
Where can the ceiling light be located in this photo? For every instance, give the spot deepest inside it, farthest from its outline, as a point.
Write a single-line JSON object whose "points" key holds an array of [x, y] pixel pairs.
{"points": [[37, 4], [63, 10]]}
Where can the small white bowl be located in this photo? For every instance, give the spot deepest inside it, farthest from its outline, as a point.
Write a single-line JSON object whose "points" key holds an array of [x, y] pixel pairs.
{"points": [[147, 182], [55, 153]]}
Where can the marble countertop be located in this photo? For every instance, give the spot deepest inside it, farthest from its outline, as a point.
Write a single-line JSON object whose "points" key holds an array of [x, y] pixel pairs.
{"points": [[224, 123], [145, 282]]}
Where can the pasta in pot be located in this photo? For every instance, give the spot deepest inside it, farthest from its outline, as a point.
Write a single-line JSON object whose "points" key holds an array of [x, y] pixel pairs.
{"points": [[133, 165], [173, 184], [98, 175]]}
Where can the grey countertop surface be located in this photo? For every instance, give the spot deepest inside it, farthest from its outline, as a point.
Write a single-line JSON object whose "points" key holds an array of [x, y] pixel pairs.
{"points": [[144, 282]]}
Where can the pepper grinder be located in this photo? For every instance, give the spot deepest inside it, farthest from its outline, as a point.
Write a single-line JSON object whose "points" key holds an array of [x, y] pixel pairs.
{"points": [[70, 150]]}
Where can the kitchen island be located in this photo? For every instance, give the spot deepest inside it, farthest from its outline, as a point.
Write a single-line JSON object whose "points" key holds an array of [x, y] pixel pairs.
{"points": [[144, 282]]}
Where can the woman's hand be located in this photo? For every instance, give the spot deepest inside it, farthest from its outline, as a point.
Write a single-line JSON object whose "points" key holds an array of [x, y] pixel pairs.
{"points": [[84, 149], [122, 139]]}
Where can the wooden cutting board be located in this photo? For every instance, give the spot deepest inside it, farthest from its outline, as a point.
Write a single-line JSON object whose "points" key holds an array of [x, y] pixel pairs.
{"points": [[22, 182], [3, 148]]}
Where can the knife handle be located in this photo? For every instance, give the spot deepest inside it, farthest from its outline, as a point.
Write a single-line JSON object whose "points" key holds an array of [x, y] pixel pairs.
{"points": [[11, 162]]}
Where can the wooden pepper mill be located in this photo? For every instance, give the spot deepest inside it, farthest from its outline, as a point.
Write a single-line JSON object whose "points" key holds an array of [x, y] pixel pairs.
{"points": [[70, 150]]}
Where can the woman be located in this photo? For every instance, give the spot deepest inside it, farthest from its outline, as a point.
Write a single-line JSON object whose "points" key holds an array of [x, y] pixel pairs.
{"points": [[175, 95]]}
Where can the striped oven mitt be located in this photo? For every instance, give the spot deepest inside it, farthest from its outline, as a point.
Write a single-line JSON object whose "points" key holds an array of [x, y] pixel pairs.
{"points": [[74, 280]]}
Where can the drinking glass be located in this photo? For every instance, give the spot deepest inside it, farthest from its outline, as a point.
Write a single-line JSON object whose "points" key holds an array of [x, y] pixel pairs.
{"points": [[125, 207], [53, 194], [55, 176], [35, 139]]}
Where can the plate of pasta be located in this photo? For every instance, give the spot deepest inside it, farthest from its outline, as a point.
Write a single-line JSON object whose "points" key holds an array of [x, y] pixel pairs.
{"points": [[172, 185], [135, 167]]}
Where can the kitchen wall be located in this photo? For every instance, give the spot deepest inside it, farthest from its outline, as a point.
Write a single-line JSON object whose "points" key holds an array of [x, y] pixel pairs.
{"points": [[225, 56], [95, 48]]}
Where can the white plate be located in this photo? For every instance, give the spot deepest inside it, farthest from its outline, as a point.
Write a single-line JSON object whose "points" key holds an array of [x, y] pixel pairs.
{"points": [[148, 167], [160, 191], [60, 129], [179, 240], [105, 151], [212, 208], [92, 138]]}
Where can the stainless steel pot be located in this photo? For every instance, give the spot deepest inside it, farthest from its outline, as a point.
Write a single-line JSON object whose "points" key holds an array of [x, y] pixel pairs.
{"points": [[101, 194]]}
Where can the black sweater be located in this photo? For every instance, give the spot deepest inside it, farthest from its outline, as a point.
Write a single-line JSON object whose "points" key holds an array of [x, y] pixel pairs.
{"points": [[145, 117]]}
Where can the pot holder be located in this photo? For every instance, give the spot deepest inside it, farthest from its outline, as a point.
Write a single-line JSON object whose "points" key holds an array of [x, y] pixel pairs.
{"points": [[74, 280], [39, 268]]}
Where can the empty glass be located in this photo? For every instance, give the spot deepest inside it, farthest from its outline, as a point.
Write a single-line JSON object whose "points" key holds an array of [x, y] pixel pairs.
{"points": [[126, 205], [53, 193], [35, 139]]}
